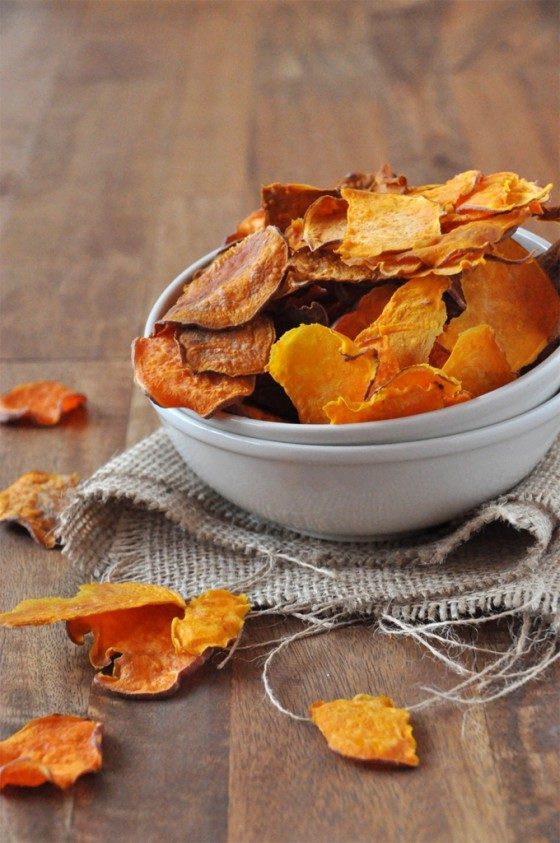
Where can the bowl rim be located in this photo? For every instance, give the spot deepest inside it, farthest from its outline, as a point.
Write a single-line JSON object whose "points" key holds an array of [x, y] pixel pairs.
{"points": [[250, 427], [417, 449]]}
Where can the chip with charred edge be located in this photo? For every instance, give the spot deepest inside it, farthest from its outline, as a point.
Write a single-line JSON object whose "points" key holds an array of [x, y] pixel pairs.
{"points": [[367, 728], [285, 202], [478, 361], [417, 389], [213, 619], [35, 501], [169, 382], [324, 222], [137, 643], [518, 301], [236, 286], [412, 319], [386, 222], [305, 267], [504, 191], [57, 748], [253, 222], [315, 365], [233, 351], [368, 309], [383, 181], [452, 191], [42, 402], [91, 599]]}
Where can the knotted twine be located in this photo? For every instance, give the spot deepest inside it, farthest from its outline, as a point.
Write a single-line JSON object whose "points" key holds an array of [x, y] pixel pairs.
{"points": [[146, 516]]}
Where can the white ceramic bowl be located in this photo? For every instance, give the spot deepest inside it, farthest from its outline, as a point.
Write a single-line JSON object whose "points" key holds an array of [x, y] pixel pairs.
{"points": [[360, 492], [516, 397]]}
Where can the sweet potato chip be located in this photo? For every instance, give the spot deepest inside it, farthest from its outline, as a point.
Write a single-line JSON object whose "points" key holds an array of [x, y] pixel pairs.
{"points": [[285, 202], [35, 502], [324, 222], [306, 267], [232, 351], [417, 389], [368, 309], [294, 234], [91, 599], [478, 361], [518, 301], [315, 365], [413, 318], [386, 222], [449, 194], [137, 643], [367, 728], [383, 181], [253, 222], [170, 382], [214, 619], [501, 192], [42, 402], [57, 748], [236, 285], [249, 411]]}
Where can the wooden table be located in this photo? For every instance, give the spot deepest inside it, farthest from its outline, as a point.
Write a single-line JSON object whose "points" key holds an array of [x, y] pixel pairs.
{"points": [[134, 136]]}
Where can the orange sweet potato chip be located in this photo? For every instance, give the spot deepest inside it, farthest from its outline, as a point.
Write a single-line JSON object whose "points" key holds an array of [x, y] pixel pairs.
{"points": [[137, 643], [417, 389], [383, 181], [285, 202], [315, 365], [518, 301], [236, 286], [368, 309], [386, 222], [324, 222], [411, 321], [170, 382], [367, 728], [306, 267], [35, 502], [214, 619], [232, 351], [57, 748], [452, 191], [500, 192], [42, 402], [478, 361], [91, 599], [253, 222]]}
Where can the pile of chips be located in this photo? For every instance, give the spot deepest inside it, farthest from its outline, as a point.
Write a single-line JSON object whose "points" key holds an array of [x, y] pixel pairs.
{"points": [[371, 300]]}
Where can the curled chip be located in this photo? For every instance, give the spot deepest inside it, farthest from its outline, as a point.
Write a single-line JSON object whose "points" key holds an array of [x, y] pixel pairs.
{"points": [[383, 181], [232, 351], [367, 728], [253, 222], [449, 194], [162, 374], [306, 267], [137, 644], [368, 309], [236, 285], [518, 301], [57, 748], [324, 222], [386, 222], [35, 501], [315, 365], [214, 619], [42, 402], [500, 192], [417, 389], [478, 361], [411, 321], [285, 202]]}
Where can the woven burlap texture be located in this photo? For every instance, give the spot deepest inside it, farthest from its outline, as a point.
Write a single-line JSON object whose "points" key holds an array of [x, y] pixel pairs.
{"points": [[145, 516]]}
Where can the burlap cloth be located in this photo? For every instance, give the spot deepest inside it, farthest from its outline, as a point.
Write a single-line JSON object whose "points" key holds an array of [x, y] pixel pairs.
{"points": [[145, 516]]}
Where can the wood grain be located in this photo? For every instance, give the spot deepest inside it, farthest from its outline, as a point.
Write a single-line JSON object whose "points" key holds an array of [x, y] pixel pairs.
{"points": [[134, 136]]}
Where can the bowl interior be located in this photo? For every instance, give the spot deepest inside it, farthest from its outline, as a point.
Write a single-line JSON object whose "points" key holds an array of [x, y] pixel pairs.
{"points": [[519, 395]]}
